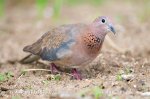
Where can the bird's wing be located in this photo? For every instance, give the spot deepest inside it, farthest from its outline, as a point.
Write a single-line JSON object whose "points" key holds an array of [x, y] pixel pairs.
{"points": [[56, 43]]}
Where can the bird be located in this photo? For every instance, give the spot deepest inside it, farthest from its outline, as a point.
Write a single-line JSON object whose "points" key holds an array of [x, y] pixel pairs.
{"points": [[71, 45]]}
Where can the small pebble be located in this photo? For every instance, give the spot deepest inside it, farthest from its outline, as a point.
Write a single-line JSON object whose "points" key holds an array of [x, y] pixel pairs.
{"points": [[127, 77]]}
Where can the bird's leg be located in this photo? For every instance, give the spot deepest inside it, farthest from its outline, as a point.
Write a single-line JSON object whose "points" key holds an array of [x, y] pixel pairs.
{"points": [[54, 68], [76, 74]]}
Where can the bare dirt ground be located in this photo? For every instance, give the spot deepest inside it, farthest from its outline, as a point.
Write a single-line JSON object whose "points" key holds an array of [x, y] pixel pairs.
{"points": [[116, 75]]}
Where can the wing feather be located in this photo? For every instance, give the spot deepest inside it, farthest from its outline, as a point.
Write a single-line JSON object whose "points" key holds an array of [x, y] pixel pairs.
{"points": [[55, 40]]}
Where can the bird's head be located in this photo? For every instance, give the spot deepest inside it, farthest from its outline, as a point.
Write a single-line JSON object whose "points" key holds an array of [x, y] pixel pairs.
{"points": [[105, 24]]}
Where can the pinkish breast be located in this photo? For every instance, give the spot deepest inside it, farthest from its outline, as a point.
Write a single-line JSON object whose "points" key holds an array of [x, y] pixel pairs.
{"points": [[86, 50], [92, 44]]}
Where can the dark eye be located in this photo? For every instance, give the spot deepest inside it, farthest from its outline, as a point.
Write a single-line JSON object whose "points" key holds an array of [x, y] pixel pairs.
{"points": [[103, 20]]}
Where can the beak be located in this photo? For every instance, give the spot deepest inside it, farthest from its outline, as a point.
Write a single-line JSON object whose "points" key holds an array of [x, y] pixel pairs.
{"points": [[112, 28]]}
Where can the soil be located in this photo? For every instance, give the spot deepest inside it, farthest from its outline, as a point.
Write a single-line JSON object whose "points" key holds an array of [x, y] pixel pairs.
{"points": [[119, 75]]}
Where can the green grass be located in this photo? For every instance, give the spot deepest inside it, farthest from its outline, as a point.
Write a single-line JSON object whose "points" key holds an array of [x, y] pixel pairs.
{"points": [[2, 7], [2, 77], [50, 77], [57, 8], [56, 77], [128, 70], [6, 76], [41, 5], [96, 92], [119, 77], [45, 82]]}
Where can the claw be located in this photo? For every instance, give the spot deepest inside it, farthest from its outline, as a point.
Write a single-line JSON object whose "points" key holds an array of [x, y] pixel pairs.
{"points": [[54, 68], [76, 74]]}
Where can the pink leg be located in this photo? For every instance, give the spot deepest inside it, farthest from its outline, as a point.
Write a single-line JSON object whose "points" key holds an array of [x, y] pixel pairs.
{"points": [[54, 68], [76, 74]]}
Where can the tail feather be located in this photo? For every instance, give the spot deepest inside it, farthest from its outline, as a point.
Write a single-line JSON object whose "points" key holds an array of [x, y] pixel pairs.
{"points": [[34, 49], [29, 59], [26, 48]]}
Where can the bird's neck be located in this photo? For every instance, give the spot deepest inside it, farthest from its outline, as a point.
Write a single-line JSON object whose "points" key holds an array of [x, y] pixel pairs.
{"points": [[99, 31], [93, 41]]}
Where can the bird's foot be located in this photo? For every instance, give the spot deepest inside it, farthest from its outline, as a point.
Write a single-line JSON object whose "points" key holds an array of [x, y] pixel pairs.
{"points": [[76, 74], [54, 69]]}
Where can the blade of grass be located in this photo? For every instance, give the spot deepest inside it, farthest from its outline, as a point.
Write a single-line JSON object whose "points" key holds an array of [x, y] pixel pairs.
{"points": [[2, 7], [41, 5], [2, 77], [97, 92], [57, 7]]}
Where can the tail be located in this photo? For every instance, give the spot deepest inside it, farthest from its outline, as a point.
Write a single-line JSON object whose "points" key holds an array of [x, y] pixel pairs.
{"points": [[29, 59]]}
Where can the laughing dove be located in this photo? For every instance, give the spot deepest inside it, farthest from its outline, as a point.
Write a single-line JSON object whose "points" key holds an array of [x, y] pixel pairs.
{"points": [[73, 45]]}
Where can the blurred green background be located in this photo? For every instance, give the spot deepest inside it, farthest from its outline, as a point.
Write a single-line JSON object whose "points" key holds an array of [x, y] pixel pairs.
{"points": [[57, 6], [42, 4]]}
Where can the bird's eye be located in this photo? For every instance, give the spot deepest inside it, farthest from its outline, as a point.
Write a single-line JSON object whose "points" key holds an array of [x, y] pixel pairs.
{"points": [[103, 20]]}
